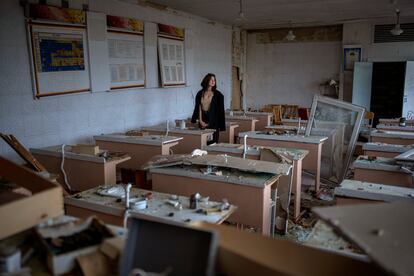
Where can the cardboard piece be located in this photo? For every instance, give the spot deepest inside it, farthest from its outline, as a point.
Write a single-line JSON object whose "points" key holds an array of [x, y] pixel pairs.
{"points": [[95, 264], [384, 231], [261, 255], [112, 247], [46, 200], [60, 241]]}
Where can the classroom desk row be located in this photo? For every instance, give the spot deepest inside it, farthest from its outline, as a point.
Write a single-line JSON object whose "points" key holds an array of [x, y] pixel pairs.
{"points": [[139, 149]]}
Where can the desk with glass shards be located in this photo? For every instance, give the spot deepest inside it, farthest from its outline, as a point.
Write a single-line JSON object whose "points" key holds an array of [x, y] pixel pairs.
{"points": [[193, 137], [246, 123], [408, 128], [384, 150], [278, 155], [140, 148], [263, 118], [382, 170], [227, 136], [108, 204], [83, 171], [392, 137], [313, 144], [243, 182]]}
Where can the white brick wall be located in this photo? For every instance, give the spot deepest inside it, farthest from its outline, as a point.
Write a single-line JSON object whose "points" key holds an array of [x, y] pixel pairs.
{"points": [[76, 118]]}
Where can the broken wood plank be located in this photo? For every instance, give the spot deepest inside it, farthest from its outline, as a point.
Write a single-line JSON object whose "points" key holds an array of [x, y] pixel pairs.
{"points": [[22, 152]]}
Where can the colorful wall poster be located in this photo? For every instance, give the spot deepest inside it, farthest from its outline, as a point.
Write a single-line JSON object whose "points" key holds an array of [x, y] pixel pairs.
{"points": [[59, 52]]}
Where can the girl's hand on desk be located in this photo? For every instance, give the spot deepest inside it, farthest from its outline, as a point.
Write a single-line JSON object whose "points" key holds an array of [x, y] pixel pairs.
{"points": [[203, 125]]}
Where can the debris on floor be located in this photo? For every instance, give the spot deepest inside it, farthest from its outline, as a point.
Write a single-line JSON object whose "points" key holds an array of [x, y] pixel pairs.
{"points": [[322, 235]]}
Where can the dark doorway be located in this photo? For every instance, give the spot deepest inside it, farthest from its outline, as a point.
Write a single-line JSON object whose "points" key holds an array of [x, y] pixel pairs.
{"points": [[387, 89]]}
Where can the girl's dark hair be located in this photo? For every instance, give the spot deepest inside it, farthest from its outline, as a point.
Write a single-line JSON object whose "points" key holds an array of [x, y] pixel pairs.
{"points": [[206, 80]]}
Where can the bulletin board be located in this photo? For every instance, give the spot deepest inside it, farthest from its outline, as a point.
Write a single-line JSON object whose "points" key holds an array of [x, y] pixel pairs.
{"points": [[171, 61], [59, 59], [126, 59]]}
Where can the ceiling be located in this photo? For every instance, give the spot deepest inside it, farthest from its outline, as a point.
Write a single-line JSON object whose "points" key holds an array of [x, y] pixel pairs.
{"points": [[289, 13]]}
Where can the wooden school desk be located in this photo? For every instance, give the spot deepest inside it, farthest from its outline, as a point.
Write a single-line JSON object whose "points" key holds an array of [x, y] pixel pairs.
{"points": [[392, 137], [228, 135], [140, 148], [246, 123], [357, 192], [381, 170], [331, 149], [384, 150], [83, 171], [263, 118], [193, 138], [395, 127], [111, 210], [395, 122], [313, 144], [250, 192], [253, 152]]}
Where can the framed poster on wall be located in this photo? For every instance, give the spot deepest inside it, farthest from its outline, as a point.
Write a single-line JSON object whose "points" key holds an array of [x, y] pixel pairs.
{"points": [[126, 60], [171, 58], [126, 52], [352, 54], [59, 59], [171, 55]]}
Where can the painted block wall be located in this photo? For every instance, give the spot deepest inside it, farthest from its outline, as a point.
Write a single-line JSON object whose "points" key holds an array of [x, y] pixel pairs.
{"points": [[360, 33], [288, 73], [76, 118]]}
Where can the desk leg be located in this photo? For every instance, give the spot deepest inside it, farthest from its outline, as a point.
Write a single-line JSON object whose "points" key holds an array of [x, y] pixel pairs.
{"points": [[297, 186], [266, 211], [231, 135], [318, 170]]}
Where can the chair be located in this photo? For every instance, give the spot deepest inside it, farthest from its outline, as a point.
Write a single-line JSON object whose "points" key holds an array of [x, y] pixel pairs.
{"points": [[290, 111], [303, 113], [277, 114], [369, 118]]}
